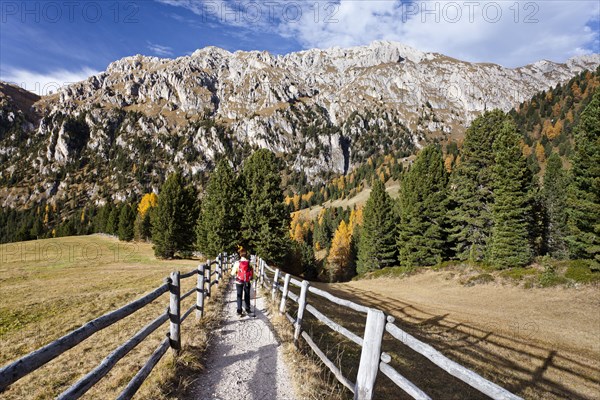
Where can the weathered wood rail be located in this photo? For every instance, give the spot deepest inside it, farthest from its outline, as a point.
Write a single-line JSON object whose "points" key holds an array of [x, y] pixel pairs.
{"points": [[372, 358], [207, 277]]}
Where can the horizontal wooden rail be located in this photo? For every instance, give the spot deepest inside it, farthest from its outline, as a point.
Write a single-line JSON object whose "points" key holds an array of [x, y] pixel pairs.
{"points": [[293, 296], [188, 312], [269, 268], [334, 325], [32, 361], [453, 368], [23, 366], [85, 383], [139, 378], [290, 318], [403, 383], [339, 301], [335, 370], [372, 358], [188, 293], [295, 282], [188, 274]]}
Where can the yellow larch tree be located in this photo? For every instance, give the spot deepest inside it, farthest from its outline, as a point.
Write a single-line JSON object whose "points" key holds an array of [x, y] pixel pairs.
{"points": [[356, 219], [298, 234], [448, 162], [539, 152], [149, 201], [340, 253], [526, 149], [295, 220]]}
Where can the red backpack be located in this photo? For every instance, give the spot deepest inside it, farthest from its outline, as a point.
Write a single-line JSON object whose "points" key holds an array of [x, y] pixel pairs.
{"points": [[245, 272]]}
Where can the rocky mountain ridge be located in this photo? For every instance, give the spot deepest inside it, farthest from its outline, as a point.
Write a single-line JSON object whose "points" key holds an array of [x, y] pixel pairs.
{"points": [[118, 133]]}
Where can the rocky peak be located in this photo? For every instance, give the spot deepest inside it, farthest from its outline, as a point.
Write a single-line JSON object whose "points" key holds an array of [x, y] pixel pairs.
{"points": [[324, 109]]}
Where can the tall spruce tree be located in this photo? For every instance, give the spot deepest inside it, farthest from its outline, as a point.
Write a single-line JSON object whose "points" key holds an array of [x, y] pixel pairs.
{"points": [[377, 245], [112, 224], [126, 220], [554, 200], [218, 227], [423, 206], [265, 218], [584, 192], [101, 221], [509, 242], [470, 190], [174, 218]]}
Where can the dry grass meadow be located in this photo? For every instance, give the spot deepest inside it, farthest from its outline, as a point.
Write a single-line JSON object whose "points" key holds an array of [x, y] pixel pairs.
{"points": [[537, 343], [50, 287]]}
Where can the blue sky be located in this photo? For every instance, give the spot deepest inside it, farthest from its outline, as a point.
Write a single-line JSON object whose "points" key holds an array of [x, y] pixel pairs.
{"points": [[51, 43]]}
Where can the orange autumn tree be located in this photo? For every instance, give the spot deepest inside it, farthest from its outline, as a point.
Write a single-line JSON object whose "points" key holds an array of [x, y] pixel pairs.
{"points": [[296, 231], [340, 253], [540, 153], [142, 227], [356, 219], [148, 201]]}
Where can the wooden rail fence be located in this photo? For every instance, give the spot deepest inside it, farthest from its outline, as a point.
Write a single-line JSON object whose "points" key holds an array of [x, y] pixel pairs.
{"points": [[372, 358], [206, 278]]}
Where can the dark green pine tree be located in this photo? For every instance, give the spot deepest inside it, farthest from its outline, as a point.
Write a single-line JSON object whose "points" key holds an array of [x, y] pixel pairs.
{"points": [[218, 227], [126, 221], [554, 200], [265, 219], [509, 242], [470, 189], [112, 224], [321, 235], [174, 218], [101, 221], [584, 192], [423, 205], [377, 245], [38, 229]]}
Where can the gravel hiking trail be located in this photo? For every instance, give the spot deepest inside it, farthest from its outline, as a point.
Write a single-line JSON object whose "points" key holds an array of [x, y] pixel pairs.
{"points": [[244, 360]]}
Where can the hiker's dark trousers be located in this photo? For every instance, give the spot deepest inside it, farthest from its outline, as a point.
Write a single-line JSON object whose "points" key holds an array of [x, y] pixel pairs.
{"points": [[245, 288]]}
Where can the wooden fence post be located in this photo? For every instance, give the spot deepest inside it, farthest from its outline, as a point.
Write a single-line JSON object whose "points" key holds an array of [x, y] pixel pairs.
{"points": [[208, 276], [174, 313], [370, 355], [301, 307], [262, 272], [220, 267], [286, 287], [275, 285], [200, 292]]}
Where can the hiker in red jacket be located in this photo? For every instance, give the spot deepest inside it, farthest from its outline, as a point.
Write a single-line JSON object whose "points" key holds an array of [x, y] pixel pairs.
{"points": [[242, 270]]}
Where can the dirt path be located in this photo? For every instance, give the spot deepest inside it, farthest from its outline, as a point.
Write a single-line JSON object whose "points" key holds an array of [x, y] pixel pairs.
{"points": [[245, 361], [539, 343]]}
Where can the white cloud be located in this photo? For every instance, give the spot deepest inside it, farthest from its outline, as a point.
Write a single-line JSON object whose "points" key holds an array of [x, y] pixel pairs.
{"points": [[506, 32], [263, 16], [159, 50], [45, 83]]}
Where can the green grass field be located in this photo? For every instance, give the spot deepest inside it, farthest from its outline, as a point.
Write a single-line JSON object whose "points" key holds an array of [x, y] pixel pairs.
{"points": [[50, 287]]}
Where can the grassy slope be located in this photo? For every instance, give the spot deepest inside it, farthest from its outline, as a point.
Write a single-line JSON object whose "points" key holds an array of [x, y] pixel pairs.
{"points": [[359, 199], [50, 287], [541, 343]]}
